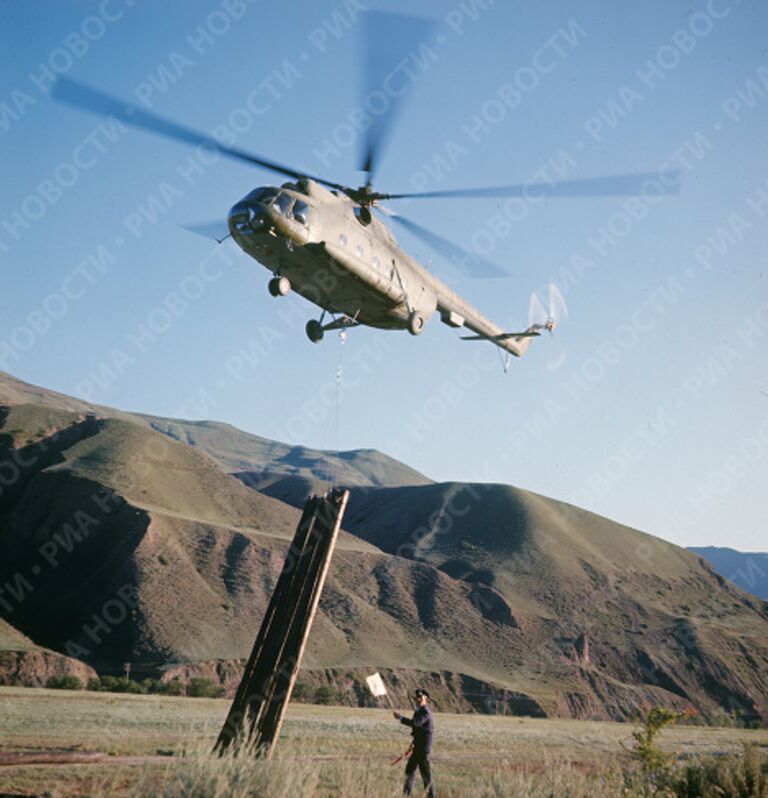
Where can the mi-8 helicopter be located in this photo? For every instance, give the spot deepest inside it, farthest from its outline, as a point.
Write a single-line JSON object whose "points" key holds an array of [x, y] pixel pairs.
{"points": [[321, 239]]}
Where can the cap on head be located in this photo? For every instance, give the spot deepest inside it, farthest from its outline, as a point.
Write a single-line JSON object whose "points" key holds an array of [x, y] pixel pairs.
{"points": [[418, 692]]}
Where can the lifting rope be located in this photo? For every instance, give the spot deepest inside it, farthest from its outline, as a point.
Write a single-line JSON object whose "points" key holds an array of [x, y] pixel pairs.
{"points": [[333, 423]]}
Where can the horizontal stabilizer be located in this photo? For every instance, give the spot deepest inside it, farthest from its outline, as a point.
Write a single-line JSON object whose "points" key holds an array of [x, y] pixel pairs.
{"points": [[501, 336]]}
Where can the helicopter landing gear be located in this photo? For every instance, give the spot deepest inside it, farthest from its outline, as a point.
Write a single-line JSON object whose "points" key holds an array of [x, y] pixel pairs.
{"points": [[279, 286], [416, 323], [315, 331]]}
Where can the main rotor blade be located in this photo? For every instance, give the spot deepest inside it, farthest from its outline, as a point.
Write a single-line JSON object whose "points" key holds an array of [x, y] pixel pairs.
{"points": [[615, 185], [217, 231], [390, 42], [78, 94], [473, 265]]}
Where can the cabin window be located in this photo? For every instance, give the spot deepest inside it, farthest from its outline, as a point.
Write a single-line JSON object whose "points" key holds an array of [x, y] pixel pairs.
{"points": [[264, 194], [376, 263], [359, 251], [301, 212], [283, 203], [342, 240]]}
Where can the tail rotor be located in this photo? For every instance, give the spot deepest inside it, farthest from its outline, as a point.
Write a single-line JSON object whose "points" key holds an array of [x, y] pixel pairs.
{"points": [[539, 318]]}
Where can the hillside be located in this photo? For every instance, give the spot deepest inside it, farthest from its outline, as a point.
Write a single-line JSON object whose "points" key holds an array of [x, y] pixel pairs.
{"points": [[22, 662], [109, 514], [13, 640], [123, 542], [133, 547], [603, 605], [748, 570]]}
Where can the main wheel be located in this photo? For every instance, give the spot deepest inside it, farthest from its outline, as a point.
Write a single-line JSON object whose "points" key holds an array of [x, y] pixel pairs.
{"points": [[279, 286], [416, 323], [315, 331]]}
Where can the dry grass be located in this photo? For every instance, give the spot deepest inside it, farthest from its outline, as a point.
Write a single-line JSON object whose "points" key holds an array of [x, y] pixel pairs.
{"points": [[304, 774], [161, 746]]}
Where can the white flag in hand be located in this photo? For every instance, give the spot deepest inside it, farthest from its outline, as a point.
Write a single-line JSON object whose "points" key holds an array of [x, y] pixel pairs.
{"points": [[376, 685]]}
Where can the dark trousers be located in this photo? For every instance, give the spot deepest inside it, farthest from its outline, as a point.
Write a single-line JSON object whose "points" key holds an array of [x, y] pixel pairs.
{"points": [[420, 760]]}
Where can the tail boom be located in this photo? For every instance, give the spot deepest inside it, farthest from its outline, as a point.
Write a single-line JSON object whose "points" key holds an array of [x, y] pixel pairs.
{"points": [[456, 312]]}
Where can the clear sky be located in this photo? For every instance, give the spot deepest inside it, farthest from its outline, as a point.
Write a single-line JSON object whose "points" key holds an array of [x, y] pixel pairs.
{"points": [[650, 403]]}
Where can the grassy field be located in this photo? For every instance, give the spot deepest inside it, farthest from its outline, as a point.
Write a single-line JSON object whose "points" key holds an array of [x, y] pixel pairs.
{"points": [[159, 745]]}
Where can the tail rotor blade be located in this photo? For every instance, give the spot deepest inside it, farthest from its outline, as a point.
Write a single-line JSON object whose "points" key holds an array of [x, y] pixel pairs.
{"points": [[547, 319], [558, 309], [536, 312]]}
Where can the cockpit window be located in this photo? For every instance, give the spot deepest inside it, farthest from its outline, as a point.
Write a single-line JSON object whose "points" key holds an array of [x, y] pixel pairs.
{"points": [[301, 212], [265, 194], [283, 203]]}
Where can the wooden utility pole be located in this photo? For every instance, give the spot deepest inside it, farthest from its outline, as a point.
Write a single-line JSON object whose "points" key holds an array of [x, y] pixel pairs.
{"points": [[257, 710]]}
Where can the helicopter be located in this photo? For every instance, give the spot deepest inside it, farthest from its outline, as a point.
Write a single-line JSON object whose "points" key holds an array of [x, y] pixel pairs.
{"points": [[320, 238]]}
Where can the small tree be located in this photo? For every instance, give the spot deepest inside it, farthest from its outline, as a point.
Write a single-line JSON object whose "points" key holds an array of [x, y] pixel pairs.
{"points": [[655, 775], [652, 758]]}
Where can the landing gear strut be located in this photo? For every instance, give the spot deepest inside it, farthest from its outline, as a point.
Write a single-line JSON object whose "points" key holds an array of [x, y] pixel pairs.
{"points": [[316, 329], [279, 286]]}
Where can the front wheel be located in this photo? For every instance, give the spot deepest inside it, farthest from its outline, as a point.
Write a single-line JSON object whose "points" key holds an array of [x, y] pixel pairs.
{"points": [[279, 286]]}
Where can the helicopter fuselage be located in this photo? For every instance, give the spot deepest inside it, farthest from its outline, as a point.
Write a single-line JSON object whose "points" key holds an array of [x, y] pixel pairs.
{"points": [[339, 256]]}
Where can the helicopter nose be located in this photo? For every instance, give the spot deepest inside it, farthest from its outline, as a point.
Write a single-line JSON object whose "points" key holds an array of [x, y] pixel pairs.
{"points": [[247, 218]]}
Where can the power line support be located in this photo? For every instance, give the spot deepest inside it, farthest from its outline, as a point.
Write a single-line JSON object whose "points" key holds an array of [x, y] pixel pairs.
{"points": [[257, 710]]}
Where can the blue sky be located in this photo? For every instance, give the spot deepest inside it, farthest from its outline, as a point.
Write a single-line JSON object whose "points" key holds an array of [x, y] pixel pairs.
{"points": [[650, 403]]}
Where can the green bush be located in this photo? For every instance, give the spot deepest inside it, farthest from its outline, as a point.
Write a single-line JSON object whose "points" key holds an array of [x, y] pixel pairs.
{"points": [[64, 682], [300, 692], [173, 687], [204, 688], [326, 695], [118, 684], [110, 684], [729, 776]]}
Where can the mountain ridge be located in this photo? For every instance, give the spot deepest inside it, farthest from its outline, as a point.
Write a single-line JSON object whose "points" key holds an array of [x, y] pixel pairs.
{"points": [[233, 449]]}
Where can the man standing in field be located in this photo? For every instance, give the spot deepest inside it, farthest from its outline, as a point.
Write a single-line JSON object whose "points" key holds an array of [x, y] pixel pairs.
{"points": [[423, 732]]}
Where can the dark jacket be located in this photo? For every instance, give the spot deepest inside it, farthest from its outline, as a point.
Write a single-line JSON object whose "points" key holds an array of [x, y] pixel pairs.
{"points": [[423, 729]]}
